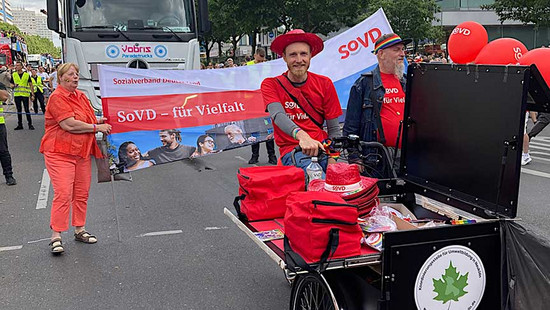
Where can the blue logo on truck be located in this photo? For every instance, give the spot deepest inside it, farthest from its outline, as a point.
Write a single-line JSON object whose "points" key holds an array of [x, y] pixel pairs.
{"points": [[112, 51], [161, 51]]}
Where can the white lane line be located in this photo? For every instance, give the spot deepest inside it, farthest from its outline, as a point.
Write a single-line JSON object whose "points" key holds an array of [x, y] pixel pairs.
{"points": [[216, 228], [535, 172], [540, 158], [539, 147], [39, 240], [162, 233], [42, 201], [541, 139], [11, 248], [541, 143], [539, 153]]}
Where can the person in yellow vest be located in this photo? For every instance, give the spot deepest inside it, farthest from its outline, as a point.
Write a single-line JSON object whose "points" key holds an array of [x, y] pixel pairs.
{"points": [[23, 90], [259, 56], [5, 158], [38, 84]]}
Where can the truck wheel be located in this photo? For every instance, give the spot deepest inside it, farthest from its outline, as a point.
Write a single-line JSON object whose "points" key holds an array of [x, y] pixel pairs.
{"points": [[311, 292]]}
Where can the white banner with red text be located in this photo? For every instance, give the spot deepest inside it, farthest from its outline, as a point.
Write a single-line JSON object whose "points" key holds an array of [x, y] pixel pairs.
{"points": [[160, 116]]}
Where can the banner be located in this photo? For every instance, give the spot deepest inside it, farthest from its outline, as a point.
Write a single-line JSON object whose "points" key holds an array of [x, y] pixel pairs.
{"points": [[161, 116]]}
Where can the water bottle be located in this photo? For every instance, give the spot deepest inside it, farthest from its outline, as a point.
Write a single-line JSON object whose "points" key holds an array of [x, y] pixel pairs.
{"points": [[314, 170]]}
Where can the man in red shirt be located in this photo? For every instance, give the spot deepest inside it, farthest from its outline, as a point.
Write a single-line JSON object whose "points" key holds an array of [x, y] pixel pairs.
{"points": [[377, 99], [299, 101]]}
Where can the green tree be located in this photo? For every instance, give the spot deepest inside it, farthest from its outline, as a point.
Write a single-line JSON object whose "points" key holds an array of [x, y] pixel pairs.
{"points": [[232, 19], [8, 27], [410, 18], [526, 11], [39, 45], [320, 16]]}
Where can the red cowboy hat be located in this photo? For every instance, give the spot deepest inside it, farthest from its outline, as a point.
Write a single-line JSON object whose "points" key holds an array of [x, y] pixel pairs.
{"points": [[345, 179], [297, 35]]}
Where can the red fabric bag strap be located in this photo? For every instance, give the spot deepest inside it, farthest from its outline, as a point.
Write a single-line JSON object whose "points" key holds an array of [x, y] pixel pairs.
{"points": [[296, 95]]}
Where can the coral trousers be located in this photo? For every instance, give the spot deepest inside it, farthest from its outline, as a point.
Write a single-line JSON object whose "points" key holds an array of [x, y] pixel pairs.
{"points": [[71, 177]]}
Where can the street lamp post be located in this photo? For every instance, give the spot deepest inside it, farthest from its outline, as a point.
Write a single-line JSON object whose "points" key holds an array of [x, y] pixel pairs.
{"points": [[4, 10]]}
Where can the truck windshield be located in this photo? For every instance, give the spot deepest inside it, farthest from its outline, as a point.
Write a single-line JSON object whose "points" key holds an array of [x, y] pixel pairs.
{"points": [[128, 15], [3, 59]]}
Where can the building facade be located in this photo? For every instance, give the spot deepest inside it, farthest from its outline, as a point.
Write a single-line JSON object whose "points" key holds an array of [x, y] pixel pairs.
{"points": [[454, 12], [6, 15], [32, 23]]}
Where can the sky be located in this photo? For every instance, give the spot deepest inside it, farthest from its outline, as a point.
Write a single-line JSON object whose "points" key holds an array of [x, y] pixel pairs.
{"points": [[34, 5]]}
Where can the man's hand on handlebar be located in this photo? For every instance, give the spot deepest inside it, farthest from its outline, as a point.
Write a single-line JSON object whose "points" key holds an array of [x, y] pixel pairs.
{"points": [[310, 147]]}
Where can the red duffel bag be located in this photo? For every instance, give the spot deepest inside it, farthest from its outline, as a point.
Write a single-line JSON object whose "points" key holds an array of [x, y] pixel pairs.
{"points": [[263, 191], [320, 226]]}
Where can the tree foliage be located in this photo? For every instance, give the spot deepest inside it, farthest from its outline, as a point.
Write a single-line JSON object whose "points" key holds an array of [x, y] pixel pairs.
{"points": [[39, 45], [526, 11], [410, 18], [320, 16], [232, 19]]}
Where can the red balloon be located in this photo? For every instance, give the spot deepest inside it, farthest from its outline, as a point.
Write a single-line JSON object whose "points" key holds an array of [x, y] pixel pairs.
{"points": [[541, 58], [504, 51], [465, 42]]}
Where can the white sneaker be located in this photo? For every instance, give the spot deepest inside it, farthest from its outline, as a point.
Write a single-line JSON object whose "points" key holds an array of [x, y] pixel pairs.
{"points": [[525, 159]]}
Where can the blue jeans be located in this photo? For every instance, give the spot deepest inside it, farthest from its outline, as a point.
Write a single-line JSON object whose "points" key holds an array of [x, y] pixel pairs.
{"points": [[302, 161]]}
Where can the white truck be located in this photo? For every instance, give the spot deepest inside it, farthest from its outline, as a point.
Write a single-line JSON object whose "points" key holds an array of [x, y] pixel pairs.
{"points": [[34, 60], [161, 34]]}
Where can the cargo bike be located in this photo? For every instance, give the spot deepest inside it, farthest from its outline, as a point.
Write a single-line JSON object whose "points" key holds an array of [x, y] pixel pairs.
{"points": [[460, 160]]}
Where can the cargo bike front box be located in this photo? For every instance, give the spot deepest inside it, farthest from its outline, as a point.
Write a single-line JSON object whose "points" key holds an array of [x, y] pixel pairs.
{"points": [[461, 152]]}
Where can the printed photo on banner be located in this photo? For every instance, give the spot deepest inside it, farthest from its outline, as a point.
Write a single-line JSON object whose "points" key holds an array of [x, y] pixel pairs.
{"points": [[135, 150]]}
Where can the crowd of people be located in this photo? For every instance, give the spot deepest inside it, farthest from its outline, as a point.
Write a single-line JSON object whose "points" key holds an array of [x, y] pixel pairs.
{"points": [[10, 34]]}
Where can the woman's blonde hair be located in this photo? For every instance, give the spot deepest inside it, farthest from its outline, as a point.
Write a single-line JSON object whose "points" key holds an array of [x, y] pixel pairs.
{"points": [[63, 68]]}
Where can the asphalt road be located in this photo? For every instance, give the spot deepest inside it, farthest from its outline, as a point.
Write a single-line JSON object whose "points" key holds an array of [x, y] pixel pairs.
{"points": [[171, 248]]}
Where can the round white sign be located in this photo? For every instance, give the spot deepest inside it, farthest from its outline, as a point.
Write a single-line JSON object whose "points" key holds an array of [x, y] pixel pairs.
{"points": [[451, 278]]}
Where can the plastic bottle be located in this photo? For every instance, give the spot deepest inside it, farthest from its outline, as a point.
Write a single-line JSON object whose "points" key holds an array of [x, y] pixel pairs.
{"points": [[314, 170]]}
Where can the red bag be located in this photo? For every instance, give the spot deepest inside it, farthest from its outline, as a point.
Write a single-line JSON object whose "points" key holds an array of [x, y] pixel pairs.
{"points": [[263, 191], [320, 226]]}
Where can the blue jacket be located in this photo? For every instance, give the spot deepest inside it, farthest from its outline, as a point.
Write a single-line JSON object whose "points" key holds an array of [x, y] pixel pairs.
{"points": [[361, 118]]}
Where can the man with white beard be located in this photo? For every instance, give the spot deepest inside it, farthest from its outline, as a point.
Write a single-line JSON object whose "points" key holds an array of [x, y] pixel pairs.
{"points": [[377, 99]]}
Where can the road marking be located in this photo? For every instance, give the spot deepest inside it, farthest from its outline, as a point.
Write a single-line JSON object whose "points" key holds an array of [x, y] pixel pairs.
{"points": [[539, 158], [539, 147], [535, 172], [11, 248], [39, 240], [162, 233], [42, 201], [216, 228], [541, 139], [541, 143]]}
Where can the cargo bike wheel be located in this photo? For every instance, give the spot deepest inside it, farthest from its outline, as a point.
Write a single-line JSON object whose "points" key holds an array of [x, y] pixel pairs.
{"points": [[312, 292]]}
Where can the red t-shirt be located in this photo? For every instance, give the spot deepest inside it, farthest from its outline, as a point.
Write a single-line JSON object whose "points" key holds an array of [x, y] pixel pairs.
{"points": [[393, 107], [320, 93]]}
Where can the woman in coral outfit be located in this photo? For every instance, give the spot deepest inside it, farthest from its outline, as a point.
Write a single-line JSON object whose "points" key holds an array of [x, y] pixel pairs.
{"points": [[67, 145]]}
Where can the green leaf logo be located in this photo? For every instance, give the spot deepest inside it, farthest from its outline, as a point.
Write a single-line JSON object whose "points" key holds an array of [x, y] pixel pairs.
{"points": [[451, 285]]}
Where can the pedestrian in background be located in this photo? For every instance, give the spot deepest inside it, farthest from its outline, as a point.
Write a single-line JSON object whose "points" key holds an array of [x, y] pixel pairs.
{"points": [[5, 78], [68, 142], [5, 157], [21, 93], [259, 57], [38, 92]]}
